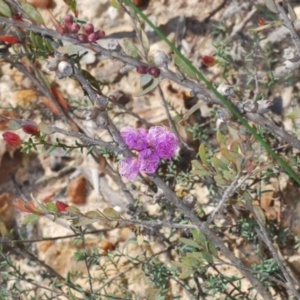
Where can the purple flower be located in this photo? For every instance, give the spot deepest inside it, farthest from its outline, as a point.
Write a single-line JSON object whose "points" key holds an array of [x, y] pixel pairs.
{"points": [[149, 161], [134, 138], [129, 167], [163, 141]]}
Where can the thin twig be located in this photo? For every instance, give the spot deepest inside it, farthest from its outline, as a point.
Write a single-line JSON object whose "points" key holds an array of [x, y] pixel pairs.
{"points": [[288, 23], [226, 195], [165, 73], [214, 239]]}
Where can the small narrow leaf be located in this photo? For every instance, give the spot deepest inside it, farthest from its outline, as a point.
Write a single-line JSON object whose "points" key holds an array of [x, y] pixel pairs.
{"points": [[206, 256], [140, 239], [259, 214], [202, 154], [183, 67], [295, 114], [73, 210], [93, 214], [84, 221], [130, 48], [189, 242], [32, 13], [145, 80], [13, 125], [115, 4], [111, 213], [270, 4], [186, 274], [5, 9], [153, 85], [30, 218], [70, 49]]}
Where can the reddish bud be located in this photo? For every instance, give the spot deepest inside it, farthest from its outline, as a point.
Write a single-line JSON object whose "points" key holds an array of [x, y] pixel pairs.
{"points": [[261, 21], [82, 38], [61, 206], [208, 60], [62, 29], [142, 69], [68, 19], [9, 39], [92, 37], [30, 128], [89, 28], [154, 71], [74, 28], [17, 16], [11, 138], [99, 34]]}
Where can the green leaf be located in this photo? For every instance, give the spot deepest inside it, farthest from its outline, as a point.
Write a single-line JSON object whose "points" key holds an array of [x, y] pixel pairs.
{"points": [[199, 237], [179, 264], [183, 67], [84, 221], [295, 114], [44, 128], [211, 248], [130, 48], [51, 207], [91, 79], [219, 163], [220, 138], [145, 80], [5, 9], [30, 218], [145, 41], [197, 256], [115, 4], [259, 214], [185, 274], [154, 84], [189, 242], [111, 213], [202, 154], [229, 174], [112, 224], [93, 214], [70, 49], [220, 181], [32, 13], [13, 125], [207, 256], [270, 4], [73, 210], [190, 261]]}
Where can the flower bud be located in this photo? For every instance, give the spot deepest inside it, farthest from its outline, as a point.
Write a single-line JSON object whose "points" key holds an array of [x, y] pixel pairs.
{"points": [[208, 60], [142, 69], [82, 38], [154, 71], [30, 128], [99, 34], [74, 28], [64, 28], [11, 138], [65, 68], [68, 19], [89, 28], [61, 206], [91, 37]]}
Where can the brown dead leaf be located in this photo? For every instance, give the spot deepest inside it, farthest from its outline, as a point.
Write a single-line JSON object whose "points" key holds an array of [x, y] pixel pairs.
{"points": [[7, 113], [7, 210], [76, 191], [24, 97]]}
